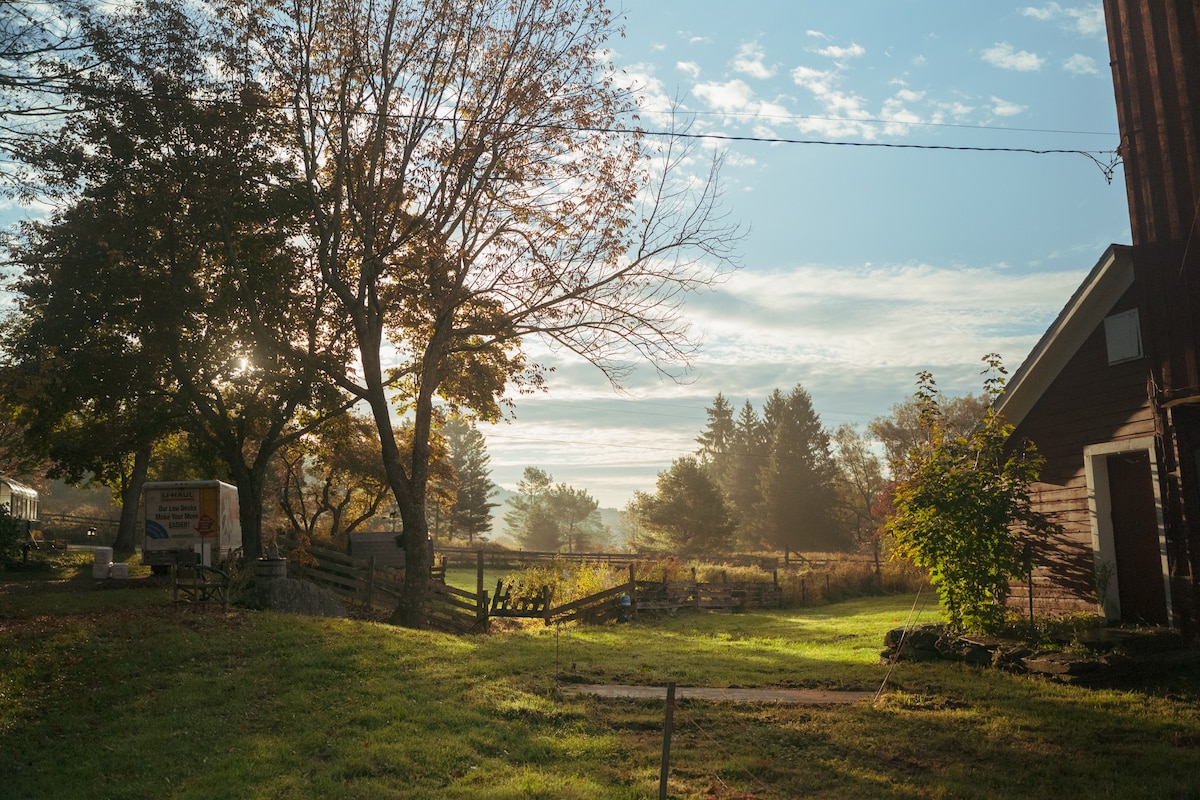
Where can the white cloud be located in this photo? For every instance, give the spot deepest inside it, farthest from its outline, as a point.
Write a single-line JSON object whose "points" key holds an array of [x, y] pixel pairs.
{"points": [[1087, 20], [872, 316], [749, 61], [1080, 64], [689, 68], [1006, 108], [1003, 55], [815, 34], [842, 53], [654, 101], [817, 81], [732, 96], [735, 98]]}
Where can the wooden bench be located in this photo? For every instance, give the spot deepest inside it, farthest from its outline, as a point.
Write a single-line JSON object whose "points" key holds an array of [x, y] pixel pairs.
{"points": [[196, 583]]}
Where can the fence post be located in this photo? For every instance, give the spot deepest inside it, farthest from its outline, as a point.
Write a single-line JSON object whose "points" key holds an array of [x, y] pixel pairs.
{"points": [[546, 604], [479, 572], [370, 580], [668, 729], [632, 591]]}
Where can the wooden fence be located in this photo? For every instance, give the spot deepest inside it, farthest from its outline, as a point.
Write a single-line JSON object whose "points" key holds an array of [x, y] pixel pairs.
{"points": [[458, 611], [362, 581], [358, 580], [502, 558]]}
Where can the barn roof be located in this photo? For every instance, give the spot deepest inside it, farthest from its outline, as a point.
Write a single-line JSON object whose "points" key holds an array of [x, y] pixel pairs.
{"points": [[1089, 305]]}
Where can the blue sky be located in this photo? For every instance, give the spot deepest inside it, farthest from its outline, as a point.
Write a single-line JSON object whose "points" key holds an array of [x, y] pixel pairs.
{"points": [[862, 265]]}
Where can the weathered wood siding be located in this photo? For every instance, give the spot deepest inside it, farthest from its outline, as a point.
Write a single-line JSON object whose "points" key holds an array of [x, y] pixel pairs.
{"points": [[1090, 402]]}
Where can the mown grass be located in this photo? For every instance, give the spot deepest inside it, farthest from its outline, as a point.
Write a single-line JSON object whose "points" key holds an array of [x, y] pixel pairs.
{"points": [[117, 694]]}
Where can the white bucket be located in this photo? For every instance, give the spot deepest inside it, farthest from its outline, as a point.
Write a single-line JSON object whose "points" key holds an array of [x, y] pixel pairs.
{"points": [[103, 555], [100, 571], [119, 570]]}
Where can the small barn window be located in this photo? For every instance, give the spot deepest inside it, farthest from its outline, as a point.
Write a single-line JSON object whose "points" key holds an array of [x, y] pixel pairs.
{"points": [[1124, 336]]}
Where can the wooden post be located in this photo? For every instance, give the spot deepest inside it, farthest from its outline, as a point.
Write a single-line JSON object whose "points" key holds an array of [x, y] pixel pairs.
{"points": [[546, 604], [668, 727], [370, 580], [479, 572], [632, 589]]}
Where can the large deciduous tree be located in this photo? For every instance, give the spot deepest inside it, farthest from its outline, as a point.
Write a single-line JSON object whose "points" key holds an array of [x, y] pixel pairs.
{"points": [[552, 516], [469, 184], [904, 428], [181, 220], [860, 484], [42, 47]]}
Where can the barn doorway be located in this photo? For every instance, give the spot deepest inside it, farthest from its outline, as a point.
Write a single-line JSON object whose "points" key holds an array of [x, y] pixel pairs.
{"points": [[1127, 532], [1135, 539]]}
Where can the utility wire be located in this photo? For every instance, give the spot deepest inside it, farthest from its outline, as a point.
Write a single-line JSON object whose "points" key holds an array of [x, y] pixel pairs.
{"points": [[1108, 167]]}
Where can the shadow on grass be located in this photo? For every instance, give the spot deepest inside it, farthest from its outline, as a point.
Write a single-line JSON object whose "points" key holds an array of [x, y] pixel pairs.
{"points": [[164, 702]]}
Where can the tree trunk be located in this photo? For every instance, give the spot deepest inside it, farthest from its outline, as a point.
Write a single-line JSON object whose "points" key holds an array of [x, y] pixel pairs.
{"points": [[250, 489], [418, 564], [131, 494]]}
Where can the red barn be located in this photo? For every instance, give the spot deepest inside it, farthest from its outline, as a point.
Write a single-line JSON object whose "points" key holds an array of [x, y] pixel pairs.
{"points": [[1111, 394]]}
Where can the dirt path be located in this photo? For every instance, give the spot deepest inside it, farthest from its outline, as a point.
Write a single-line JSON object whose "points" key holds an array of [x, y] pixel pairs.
{"points": [[808, 697]]}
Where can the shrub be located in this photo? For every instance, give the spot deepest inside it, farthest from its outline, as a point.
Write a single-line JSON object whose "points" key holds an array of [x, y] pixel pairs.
{"points": [[567, 580]]}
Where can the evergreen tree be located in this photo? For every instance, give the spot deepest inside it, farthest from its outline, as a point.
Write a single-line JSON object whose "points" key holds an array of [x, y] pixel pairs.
{"points": [[716, 441], [470, 517], [749, 456], [687, 514], [799, 481]]}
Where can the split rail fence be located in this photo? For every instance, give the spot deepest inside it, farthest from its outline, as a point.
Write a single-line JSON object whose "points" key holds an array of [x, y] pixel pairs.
{"points": [[456, 610]]}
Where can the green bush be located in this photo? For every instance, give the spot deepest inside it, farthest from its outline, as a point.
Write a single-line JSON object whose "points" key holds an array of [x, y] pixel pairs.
{"points": [[567, 580]]}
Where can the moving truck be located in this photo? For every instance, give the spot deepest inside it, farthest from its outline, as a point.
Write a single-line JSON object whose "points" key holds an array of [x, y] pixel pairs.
{"points": [[197, 518]]}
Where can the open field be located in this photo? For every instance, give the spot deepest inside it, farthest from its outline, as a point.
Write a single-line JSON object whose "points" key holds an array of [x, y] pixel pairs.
{"points": [[117, 694]]}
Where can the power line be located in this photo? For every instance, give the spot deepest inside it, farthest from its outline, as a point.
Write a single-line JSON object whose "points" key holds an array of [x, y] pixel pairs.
{"points": [[1106, 167], [877, 121]]}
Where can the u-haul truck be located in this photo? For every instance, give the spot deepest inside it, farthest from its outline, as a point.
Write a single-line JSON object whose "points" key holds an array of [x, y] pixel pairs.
{"points": [[193, 517]]}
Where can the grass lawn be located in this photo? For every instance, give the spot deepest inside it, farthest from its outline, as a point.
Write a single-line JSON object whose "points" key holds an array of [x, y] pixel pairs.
{"points": [[117, 694]]}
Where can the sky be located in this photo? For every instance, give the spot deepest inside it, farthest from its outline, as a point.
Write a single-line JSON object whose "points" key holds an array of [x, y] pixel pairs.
{"points": [[860, 265]]}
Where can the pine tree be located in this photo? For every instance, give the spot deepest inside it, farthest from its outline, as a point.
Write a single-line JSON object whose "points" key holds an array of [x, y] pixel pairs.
{"points": [[799, 481], [749, 456], [716, 441], [470, 517], [687, 514]]}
